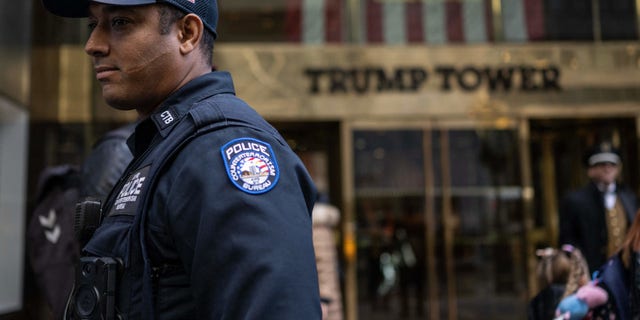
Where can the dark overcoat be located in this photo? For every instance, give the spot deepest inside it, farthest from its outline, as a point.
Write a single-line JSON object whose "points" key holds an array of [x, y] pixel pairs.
{"points": [[582, 221]]}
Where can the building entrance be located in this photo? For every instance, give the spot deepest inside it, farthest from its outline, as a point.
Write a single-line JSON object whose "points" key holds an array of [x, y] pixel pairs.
{"points": [[441, 214]]}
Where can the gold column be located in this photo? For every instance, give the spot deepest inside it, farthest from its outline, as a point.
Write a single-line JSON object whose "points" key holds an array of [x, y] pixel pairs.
{"points": [[595, 13], [430, 227], [524, 138], [62, 78], [348, 225], [638, 16], [447, 220], [549, 195], [74, 85]]}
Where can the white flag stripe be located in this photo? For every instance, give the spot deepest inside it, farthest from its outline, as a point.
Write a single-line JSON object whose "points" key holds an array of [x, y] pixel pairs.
{"points": [[475, 26], [434, 22], [394, 26], [361, 34], [313, 24], [443, 21], [513, 21]]}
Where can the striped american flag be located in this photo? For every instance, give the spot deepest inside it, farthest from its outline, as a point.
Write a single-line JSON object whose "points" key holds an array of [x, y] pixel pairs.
{"points": [[415, 21]]}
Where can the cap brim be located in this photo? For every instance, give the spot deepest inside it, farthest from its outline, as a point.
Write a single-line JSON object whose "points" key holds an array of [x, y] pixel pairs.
{"points": [[604, 157], [80, 8], [67, 8]]}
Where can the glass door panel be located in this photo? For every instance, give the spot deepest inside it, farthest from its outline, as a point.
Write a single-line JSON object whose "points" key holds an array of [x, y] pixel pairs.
{"points": [[390, 199], [478, 193], [439, 224]]}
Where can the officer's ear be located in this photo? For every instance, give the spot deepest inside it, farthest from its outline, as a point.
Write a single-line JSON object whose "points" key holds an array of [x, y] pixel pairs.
{"points": [[190, 30]]}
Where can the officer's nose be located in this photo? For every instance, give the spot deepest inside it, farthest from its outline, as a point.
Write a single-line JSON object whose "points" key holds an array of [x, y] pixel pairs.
{"points": [[97, 44]]}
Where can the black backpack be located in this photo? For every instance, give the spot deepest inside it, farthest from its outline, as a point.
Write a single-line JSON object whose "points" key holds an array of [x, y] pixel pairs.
{"points": [[51, 242]]}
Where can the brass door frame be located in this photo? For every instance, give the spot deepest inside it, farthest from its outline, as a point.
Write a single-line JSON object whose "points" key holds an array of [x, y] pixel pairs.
{"points": [[524, 136], [348, 223]]}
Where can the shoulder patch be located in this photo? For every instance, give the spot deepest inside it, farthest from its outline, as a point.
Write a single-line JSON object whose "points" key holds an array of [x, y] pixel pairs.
{"points": [[251, 165]]}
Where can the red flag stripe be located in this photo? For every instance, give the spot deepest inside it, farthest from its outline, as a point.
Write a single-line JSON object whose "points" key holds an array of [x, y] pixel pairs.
{"points": [[488, 18], [414, 24], [293, 21], [415, 29], [374, 21], [534, 15], [455, 29], [333, 21]]}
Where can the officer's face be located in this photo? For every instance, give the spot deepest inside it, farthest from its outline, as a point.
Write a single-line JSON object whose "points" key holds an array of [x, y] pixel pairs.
{"points": [[134, 63], [604, 172]]}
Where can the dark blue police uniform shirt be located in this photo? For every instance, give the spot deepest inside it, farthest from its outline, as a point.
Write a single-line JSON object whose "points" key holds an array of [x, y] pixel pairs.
{"points": [[228, 216]]}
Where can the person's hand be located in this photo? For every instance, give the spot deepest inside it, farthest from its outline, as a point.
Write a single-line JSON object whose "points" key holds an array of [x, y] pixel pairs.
{"points": [[324, 306]]}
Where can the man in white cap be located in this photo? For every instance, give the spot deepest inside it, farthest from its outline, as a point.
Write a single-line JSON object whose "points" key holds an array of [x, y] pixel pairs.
{"points": [[595, 217]]}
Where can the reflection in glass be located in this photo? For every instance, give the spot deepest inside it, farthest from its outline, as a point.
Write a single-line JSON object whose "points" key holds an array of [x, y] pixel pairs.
{"points": [[439, 236]]}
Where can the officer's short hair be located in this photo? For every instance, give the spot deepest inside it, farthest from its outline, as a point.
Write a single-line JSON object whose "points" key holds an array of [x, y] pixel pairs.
{"points": [[170, 14]]}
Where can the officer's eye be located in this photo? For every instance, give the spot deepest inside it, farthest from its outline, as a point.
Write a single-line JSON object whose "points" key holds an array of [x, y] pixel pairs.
{"points": [[119, 22], [92, 25]]}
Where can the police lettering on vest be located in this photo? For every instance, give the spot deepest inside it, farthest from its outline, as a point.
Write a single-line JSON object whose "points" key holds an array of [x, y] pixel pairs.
{"points": [[128, 196]]}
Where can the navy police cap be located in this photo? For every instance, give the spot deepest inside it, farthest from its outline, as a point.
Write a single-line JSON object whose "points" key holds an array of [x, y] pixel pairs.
{"points": [[207, 10]]}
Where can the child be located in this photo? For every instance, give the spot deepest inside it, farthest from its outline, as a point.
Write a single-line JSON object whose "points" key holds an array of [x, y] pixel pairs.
{"points": [[560, 273]]}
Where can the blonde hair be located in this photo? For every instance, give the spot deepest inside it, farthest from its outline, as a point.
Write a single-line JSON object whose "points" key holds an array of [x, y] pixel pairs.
{"points": [[565, 266]]}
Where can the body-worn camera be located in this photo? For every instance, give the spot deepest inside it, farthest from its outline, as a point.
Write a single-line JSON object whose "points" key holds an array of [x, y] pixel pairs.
{"points": [[94, 293], [87, 219]]}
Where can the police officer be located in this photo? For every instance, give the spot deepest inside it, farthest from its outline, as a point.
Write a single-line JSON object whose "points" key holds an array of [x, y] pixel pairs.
{"points": [[211, 220]]}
